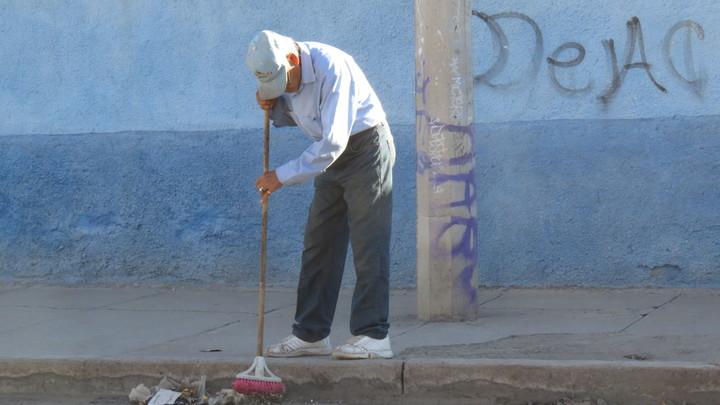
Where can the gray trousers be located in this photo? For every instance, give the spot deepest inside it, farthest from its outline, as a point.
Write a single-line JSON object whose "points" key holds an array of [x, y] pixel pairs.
{"points": [[352, 204]]}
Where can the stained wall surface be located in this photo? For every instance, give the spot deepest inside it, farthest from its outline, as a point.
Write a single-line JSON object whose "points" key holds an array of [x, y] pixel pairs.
{"points": [[130, 140]]}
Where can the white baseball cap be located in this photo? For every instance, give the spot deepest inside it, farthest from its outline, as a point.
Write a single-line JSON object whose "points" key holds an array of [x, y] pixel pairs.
{"points": [[267, 59]]}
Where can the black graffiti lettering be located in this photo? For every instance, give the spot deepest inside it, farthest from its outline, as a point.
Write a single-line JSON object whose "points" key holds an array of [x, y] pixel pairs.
{"points": [[634, 37], [554, 63], [694, 80], [635, 34], [501, 40], [609, 46], [684, 69]]}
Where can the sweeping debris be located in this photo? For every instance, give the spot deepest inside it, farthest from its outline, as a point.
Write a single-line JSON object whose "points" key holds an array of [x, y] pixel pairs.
{"points": [[254, 385], [183, 392]]}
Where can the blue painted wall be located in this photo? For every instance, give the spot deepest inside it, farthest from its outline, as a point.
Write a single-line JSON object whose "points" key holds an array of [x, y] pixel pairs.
{"points": [[84, 66], [597, 143], [130, 140], [600, 202]]}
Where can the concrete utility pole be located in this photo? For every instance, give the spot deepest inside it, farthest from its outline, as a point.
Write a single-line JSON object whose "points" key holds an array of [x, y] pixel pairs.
{"points": [[446, 192]]}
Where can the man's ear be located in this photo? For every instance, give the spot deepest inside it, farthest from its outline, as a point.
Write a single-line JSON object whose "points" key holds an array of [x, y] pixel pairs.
{"points": [[293, 59]]}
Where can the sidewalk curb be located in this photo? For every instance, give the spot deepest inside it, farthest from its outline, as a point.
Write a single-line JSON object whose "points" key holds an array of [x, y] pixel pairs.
{"points": [[476, 381], [530, 381], [306, 377]]}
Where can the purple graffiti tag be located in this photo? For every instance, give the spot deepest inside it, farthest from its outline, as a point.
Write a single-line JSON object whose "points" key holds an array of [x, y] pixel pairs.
{"points": [[421, 84], [466, 158], [441, 146], [462, 129], [470, 195], [465, 281], [423, 162], [465, 248]]}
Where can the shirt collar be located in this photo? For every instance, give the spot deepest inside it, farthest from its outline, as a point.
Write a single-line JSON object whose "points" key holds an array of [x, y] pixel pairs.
{"points": [[308, 73]]}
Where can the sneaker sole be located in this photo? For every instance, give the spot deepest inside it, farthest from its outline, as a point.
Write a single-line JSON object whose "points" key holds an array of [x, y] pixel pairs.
{"points": [[359, 356], [301, 353]]}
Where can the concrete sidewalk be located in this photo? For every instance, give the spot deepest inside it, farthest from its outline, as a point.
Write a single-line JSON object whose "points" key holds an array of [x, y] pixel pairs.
{"points": [[640, 346]]}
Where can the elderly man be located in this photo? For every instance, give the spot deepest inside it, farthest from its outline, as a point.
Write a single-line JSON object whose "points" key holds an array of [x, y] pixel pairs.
{"points": [[323, 91]]}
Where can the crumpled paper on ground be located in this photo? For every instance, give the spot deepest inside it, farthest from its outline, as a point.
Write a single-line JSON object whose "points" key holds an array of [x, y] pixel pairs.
{"points": [[140, 394], [192, 392]]}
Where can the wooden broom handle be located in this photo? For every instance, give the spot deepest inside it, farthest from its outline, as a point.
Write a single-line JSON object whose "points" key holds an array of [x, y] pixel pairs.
{"points": [[263, 239]]}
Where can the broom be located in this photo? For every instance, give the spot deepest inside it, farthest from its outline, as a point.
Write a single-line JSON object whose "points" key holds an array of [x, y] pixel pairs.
{"points": [[258, 379]]}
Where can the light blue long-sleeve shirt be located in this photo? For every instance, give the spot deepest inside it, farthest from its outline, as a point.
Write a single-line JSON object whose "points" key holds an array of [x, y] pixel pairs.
{"points": [[334, 102]]}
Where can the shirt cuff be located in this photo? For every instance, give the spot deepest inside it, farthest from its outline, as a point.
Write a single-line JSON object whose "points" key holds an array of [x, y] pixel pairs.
{"points": [[284, 175]]}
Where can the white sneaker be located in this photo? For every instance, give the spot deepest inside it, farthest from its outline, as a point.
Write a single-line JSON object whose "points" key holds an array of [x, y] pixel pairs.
{"points": [[364, 347], [293, 346]]}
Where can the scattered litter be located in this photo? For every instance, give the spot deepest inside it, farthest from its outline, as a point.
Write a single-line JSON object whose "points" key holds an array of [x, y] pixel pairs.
{"points": [[226, 397], [640, 357], [164, 397], [170, 391], [140, 394]]}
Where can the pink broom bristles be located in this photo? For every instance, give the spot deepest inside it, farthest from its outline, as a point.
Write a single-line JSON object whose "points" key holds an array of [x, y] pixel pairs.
{"points": [[258, 379], [249, 387]]}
